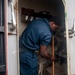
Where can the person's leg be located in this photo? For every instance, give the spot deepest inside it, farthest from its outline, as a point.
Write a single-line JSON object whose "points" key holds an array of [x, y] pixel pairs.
{"points": [[35, 71], [35, 65], [28, 64]]}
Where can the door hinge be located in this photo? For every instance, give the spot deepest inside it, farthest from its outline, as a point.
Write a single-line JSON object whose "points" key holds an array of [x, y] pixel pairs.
{"points": [[1, 28], [2, 68]]}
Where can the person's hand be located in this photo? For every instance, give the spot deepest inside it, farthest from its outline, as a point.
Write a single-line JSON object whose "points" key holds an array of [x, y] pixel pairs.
{"points": [[52, 58]]}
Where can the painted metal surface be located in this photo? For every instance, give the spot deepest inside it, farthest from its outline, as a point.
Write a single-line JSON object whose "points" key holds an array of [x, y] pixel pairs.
{"points": [[12, 55], [13, 47], [70, 11], [67, 39]]}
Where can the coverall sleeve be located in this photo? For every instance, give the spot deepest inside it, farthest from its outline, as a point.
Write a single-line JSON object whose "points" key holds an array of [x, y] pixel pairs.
{"points": [[45, 39]]}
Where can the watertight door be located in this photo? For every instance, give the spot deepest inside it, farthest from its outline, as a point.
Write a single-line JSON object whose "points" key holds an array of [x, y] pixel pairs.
{"points": [[2, 49]]}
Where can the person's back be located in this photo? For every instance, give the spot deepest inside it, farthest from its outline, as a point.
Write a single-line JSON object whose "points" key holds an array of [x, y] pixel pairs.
{"points": [[34, 33]]}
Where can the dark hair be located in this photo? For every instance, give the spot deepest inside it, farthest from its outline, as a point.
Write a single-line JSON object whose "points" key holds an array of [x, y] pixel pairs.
{"points": [[55, 19]]}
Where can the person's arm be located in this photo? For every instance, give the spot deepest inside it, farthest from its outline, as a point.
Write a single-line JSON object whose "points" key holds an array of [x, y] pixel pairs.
{"points": [[43, 52]]}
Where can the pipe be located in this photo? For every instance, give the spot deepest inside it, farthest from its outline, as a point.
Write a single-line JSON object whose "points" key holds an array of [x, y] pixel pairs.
{"points": [[53, 54], [6, 32], [13, 17]]}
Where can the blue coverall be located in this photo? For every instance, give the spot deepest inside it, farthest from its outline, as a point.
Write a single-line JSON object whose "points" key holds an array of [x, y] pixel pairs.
{"points": [[37, 33]]}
